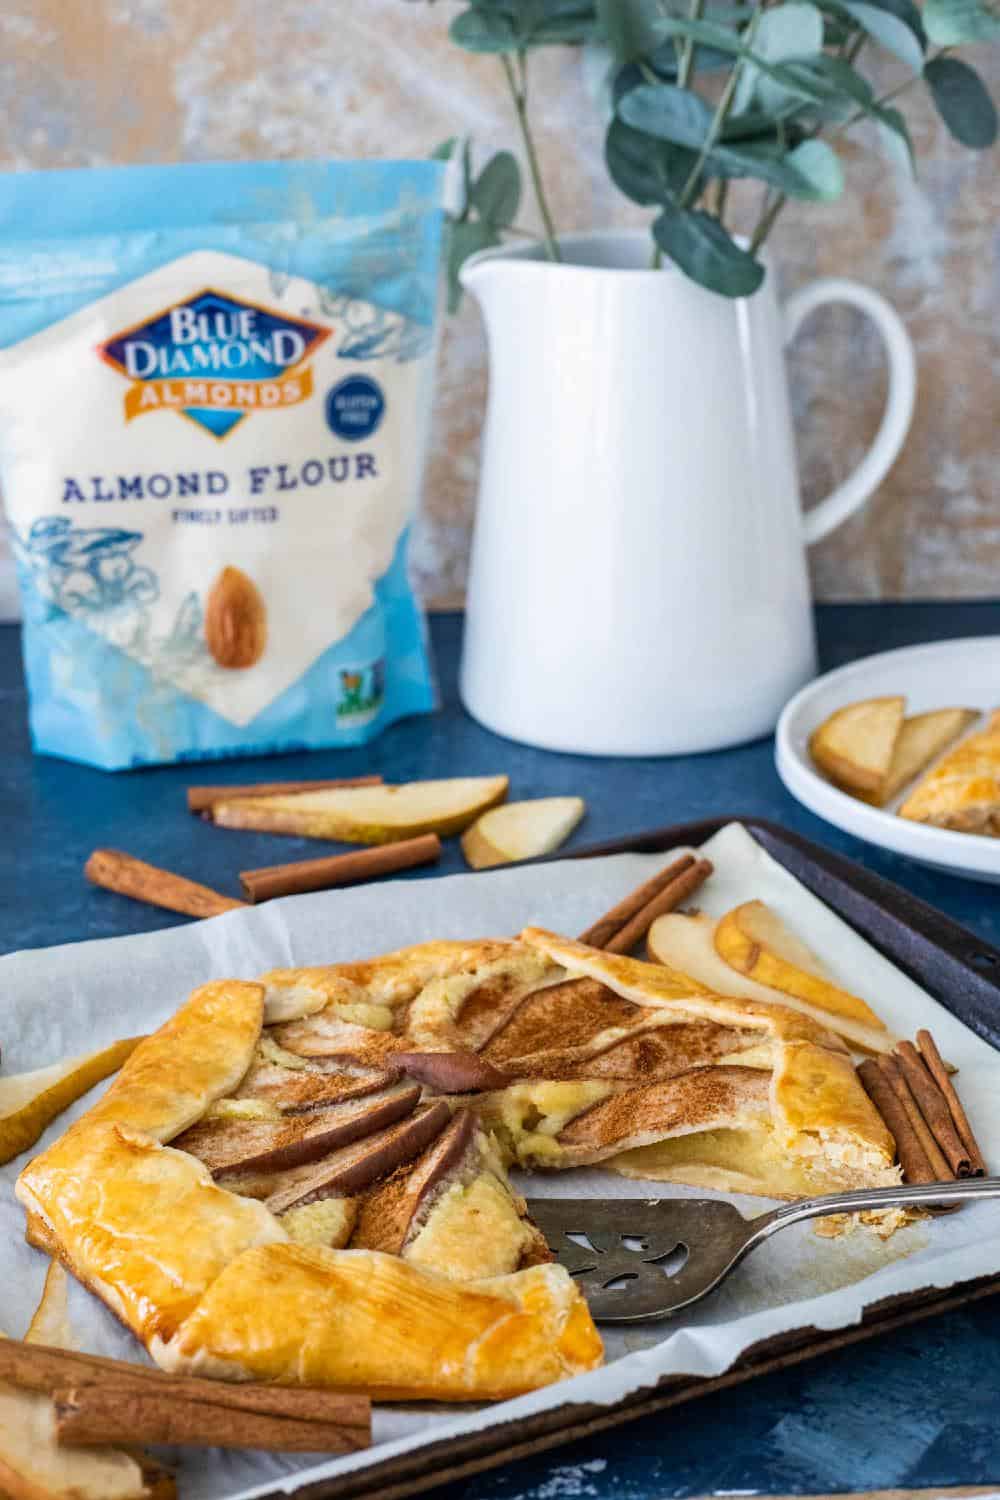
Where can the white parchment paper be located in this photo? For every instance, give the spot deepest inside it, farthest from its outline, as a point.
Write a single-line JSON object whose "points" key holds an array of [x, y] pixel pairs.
{"points": [[58, 1001]]}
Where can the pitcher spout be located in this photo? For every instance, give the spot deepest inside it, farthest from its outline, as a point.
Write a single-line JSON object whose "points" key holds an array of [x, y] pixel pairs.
{"points": [[481, 271]]}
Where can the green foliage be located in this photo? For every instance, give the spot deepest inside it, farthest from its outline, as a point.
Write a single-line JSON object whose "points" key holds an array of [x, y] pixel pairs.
{"points": [[949, 23], [701, 247], [516, 25], [489, 207], [647, 171], [962, 101], [894, 29], [632, 28], [697, 92]]}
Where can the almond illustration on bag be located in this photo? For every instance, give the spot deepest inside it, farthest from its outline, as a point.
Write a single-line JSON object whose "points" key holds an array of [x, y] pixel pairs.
{"points": [[235, 621]]}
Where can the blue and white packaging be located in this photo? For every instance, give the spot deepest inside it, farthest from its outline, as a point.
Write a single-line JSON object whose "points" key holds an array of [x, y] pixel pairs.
{"points": [[215, 390]]}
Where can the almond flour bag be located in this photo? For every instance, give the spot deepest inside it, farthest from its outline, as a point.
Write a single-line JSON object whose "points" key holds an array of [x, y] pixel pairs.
{"points": [[215, 385]]}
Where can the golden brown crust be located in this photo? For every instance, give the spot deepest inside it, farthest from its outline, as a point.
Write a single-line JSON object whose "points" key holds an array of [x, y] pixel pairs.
{"points": [[214, 1033], [141, 1224], [392, 978], [361, 1320], [962, 792], [817, 1089]]}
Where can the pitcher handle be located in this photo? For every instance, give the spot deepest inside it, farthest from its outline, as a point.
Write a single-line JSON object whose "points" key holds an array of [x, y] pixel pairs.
{"points": [[856, 488]]}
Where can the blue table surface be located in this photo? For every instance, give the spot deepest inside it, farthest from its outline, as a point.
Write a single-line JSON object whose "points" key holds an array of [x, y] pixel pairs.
{"points": [[916, 1407]]}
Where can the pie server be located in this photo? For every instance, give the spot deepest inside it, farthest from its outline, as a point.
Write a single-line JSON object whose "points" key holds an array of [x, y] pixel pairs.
{"points": [[639, 1259]]}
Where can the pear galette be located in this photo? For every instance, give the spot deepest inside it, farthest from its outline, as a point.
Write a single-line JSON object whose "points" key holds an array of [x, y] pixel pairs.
{"points": [[305, 1179]]}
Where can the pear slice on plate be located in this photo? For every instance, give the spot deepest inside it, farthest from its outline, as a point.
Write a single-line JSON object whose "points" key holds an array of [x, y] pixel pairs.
{"points": [[368, 814], [29, 1102], [521, 830], [921, 739], [687, 943], [754, 940], [855, 745]]}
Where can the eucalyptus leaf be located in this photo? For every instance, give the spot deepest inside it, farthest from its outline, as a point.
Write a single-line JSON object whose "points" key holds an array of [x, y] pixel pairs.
{"points": [[667, 112], [820, 165], [465, 238], [445, 150], [949, 22], [515, 25], [773, 124], [703, 250], [837, 31], [496, 192], [483, 31], [896, 138], [962, 101], [569, 31], [569, 22], [905, 11], [825, 79], [889, 31], [791, 30], [632, 28], [815, 79], [646, 170], [810, 171]]}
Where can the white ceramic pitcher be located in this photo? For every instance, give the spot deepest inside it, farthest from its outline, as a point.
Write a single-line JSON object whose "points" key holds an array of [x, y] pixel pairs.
{"points": [[638, 582]]}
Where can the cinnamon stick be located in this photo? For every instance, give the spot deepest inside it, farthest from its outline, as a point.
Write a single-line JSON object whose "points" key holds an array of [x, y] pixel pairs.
{"points": [[671, 896], [942, 1172], [34, 1367], [605, 928], [339, 869], [891, 1068], [912, 1156], [938, 1070], [201, 798], [128, 876], [934, 1108], [118, 1411]]}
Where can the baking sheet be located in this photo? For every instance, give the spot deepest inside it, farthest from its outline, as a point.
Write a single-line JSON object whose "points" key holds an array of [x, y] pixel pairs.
{"points": [[63, 1000]]}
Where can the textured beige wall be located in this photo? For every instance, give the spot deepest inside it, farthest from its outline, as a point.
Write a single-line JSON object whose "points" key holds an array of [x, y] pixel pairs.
{"points": [[89, 82]]}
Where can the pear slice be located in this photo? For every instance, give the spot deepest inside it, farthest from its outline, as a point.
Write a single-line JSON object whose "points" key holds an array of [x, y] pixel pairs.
{"points": [[754, 941], [31, 1101], [855, 745], [368, 814], [521, 830], [688, 944], [50, 1323], [922, 739]]}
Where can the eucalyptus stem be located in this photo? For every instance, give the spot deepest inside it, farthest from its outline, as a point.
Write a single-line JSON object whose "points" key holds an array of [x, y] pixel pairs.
{"points": [[519, 94], [766, 223], [855, 47], [862, 114], [695, 13], [767, 219], [725, 104]]}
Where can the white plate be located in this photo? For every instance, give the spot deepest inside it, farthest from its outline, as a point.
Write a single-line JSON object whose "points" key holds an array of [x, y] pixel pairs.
{"points": [[964, 674]]}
